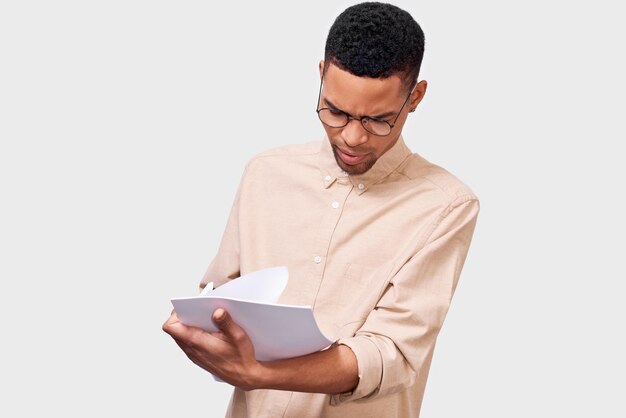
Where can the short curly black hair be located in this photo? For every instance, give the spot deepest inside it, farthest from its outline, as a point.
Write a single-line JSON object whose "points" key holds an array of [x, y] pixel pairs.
{"points": [[376, 40]]}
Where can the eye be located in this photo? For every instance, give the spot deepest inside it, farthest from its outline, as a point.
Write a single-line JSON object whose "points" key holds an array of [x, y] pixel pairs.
{"points": [[376, 120], [335, 111]]}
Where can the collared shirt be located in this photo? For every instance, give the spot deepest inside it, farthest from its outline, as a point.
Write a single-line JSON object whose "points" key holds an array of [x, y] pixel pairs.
{"points": [[377, 256]]}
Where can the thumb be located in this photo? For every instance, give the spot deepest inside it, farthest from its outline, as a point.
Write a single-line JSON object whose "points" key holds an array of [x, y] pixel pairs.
{"points": [[225, 323]]}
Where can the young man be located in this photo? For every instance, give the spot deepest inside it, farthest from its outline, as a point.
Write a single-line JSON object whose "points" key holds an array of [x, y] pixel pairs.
{"points": [[382, 235]]}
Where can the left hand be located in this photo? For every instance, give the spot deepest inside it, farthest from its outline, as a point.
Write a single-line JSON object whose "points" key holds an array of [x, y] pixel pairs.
{"points": [[228, 354]]}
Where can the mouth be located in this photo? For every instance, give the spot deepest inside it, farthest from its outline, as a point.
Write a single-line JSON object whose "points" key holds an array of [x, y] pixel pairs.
{"points": [[349, 158]]}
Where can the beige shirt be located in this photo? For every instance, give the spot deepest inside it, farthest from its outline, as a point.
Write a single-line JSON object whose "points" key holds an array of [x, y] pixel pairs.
{"points": [[376, 255]]}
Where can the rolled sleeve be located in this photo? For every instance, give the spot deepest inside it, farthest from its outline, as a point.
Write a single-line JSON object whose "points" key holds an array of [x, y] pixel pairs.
{"points": [[395, 344], [370, 369]]}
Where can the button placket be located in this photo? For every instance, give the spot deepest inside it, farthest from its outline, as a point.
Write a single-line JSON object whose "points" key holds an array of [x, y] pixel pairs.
{"points": [[327, 227]]}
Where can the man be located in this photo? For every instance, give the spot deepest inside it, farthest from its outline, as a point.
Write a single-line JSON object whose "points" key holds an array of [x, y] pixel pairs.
{"points": [[374, 237]]}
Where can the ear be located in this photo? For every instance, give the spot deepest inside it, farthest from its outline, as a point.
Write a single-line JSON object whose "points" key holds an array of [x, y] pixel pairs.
{"points": [[418, 94], [321, 68]]}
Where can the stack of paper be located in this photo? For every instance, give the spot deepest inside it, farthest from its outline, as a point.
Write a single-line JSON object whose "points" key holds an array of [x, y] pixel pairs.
{"points": [[277, 331]]}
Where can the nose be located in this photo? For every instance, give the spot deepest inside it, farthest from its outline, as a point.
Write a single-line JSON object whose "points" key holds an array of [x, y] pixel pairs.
{"points": [[353, 134]]}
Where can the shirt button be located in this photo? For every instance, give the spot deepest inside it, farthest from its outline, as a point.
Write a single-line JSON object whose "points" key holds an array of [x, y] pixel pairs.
{"points": [[335, 205], [327, 178], [317, 259], [361, 186]]}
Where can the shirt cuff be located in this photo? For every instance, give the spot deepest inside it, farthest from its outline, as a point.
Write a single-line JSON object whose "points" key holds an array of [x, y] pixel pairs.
{"points": [[370, 369]]}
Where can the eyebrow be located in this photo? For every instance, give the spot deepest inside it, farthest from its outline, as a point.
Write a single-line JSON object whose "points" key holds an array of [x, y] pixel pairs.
{"points": [[379, 116]]}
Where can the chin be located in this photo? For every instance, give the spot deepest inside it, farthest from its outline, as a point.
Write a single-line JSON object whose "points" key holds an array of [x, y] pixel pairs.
{"points": [[357, 169]]}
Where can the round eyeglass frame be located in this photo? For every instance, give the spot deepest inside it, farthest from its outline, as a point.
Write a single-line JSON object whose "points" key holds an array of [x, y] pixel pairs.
{"points": [[350, 117]]}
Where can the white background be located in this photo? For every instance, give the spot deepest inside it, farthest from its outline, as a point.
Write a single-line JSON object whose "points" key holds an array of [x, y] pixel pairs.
{"points": [[124, 129]]}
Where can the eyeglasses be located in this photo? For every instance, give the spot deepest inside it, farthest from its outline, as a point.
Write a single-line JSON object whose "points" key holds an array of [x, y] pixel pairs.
{"points": [[336, 118]]}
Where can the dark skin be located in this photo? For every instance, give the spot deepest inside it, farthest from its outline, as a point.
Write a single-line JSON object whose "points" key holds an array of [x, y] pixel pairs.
{"points": [[229, 354]]}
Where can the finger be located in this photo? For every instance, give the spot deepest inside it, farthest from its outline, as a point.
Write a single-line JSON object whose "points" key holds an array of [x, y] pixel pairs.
{"points": [[192, 354], [193, 339], [175, 327], [219, 335], [173, 318], [229, 328]]}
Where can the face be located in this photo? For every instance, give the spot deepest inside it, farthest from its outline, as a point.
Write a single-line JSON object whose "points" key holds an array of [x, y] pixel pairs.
{"points": [[355, 149]]}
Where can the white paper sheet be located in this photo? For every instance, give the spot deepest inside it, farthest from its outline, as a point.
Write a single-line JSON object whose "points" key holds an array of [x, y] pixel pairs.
{"points": [[277, 331], [260, 286]]}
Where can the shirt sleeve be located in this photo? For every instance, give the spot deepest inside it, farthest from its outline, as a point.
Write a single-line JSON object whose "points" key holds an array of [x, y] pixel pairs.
{"points": [[396, 342], [225, 264]]}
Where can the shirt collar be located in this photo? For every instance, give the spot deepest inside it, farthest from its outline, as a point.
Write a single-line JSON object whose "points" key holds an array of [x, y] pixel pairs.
{"points": [[385, 165]]}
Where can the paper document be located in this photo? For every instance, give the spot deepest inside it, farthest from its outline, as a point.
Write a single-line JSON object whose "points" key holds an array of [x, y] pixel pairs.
{"points": [[277, 331]]}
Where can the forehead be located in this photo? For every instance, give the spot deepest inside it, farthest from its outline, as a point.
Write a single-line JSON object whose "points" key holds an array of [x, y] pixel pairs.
{"points": [[361, 95]]}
